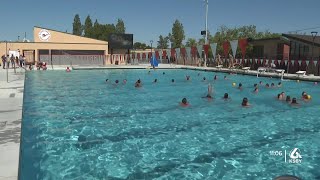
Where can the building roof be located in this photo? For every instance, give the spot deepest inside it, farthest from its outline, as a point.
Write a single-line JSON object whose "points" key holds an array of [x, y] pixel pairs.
{"points": [[281, 38], [308, 39], [66, 33]]}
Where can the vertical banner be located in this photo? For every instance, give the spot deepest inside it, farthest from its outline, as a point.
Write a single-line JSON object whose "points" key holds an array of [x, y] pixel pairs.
{"points": [[172, 54], [243, 43], [206, 49], [199, 48], [226, 47], [157, 54], [177, 52], [213, 49], [138, 56], [153, 54], [188, 52], [234, 46]]}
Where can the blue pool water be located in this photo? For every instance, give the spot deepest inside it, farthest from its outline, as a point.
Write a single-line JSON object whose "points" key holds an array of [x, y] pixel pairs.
{"points": [[76, 126]]}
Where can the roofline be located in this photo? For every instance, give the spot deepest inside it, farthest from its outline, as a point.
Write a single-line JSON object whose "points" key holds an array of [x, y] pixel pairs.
{"points": [[51, 43], [281, 38], [299, 39], [69, 33]]}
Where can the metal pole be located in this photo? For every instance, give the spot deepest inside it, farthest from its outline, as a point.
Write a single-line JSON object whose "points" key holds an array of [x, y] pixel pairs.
{"points": [[206, 37], [6, 61]]}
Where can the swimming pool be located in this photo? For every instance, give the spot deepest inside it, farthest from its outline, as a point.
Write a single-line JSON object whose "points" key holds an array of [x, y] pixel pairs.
{"points": [[76, 126]]}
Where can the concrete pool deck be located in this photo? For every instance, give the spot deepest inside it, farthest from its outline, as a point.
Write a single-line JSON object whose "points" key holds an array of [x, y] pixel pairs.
{"points": [[11, 100]]}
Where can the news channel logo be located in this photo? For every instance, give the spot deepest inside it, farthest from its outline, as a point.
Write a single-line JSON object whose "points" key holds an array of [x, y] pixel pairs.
{"points": [[293, 156]]}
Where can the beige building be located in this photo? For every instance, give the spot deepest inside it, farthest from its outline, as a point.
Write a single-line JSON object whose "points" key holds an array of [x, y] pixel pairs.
{"points": [[59, 48]]}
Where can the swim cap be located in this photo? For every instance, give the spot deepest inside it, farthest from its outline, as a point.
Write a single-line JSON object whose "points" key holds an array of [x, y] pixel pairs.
{"points": [[308, 97], [298, 80], [234, 84]]}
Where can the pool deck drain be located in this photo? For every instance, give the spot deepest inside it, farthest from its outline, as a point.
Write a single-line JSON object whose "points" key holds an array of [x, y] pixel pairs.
{"points": [[11, 100]]}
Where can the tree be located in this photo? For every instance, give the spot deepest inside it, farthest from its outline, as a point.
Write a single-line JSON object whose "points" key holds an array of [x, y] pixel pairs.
{"points": [[163, 42], [177, 34], [139, 45], [120, 28], [228, 34], [191, 42], [77, 27], [88, 27]]}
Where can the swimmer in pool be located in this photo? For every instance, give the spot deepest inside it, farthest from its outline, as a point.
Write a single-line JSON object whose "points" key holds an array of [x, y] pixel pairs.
{"points": [[260, 82], [184, 103], [255, 85], [107, 80], [283, 96], [163, 73], [209, 95], [279, 84], [294, 102], [155, 81], [226, 96], [267, 85], [117, 81], [125, 81], [256, 90], [188, 78], [272, 84], [215, 77], [245, 102], [138, 83], [172, 80], [288, 99], [204, 79], [240, 86], [225, 77], [149, 72]]}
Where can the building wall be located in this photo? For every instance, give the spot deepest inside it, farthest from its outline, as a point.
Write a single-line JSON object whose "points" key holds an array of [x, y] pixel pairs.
{"points": [[54, 40], [60, 37]]}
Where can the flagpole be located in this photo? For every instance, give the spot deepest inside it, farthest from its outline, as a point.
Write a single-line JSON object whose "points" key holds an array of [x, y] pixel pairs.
{"points": [[206, 37]]}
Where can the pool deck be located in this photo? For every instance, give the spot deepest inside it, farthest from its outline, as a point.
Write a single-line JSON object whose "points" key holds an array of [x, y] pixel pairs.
{"points": [[211, 69], [11, 100]]}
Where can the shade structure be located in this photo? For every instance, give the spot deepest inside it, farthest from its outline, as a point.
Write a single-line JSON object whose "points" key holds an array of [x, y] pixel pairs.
{"points": [[311, 68], [303, 66]]}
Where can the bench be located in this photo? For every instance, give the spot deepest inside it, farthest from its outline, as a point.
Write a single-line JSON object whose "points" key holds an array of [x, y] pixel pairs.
{"points": [[301, 73]]}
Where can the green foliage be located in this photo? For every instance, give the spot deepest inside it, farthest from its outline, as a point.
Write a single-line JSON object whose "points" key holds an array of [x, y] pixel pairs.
{"points": [[191, 42], [102, 31], [139, 45], [163, 42], [77, 27], [228, 34], [177, 34], [88, 27], [120, 28]]}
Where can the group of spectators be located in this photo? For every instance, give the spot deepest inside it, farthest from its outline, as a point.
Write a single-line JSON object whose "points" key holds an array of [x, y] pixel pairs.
{"points": [[14, 61]]}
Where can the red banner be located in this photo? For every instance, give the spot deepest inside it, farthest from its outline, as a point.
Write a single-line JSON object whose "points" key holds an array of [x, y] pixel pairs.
{"points": [[138, 56], [157, 54], [206, 49], [193, 51], [172, 52], [243, 43], [164, 54], [226, 46], [143, 56], [183, 52]]}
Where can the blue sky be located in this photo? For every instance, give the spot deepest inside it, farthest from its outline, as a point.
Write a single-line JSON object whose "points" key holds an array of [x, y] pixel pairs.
{"points": [[147, 19]]}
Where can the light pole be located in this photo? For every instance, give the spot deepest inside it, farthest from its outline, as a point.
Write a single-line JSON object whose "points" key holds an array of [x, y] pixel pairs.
{"points": [[151, 41], [314, 34], [206, 36], [7, 59]]}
